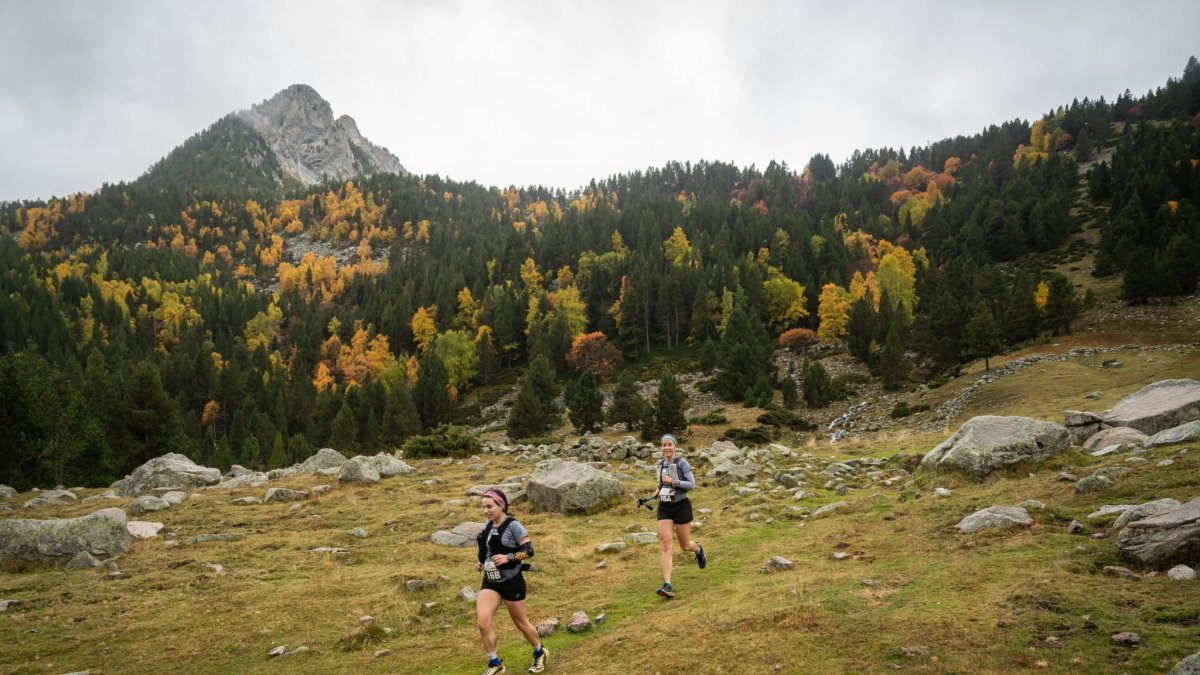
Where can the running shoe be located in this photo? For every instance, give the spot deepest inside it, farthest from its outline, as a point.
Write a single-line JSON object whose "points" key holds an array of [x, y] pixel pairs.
{"points": [[494, 670], [701, 559], [539, 661], [666, 591]]}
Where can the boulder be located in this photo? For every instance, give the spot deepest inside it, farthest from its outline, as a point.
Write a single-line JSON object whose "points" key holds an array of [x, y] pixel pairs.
{"points": [[1156, 407], [143, 529], [388, 465], [1144, 511], [102, 533], [462, 536], [172, 469], [995, 517], [573, 487], [1165, 539], [987, 443], [1180, 434], [1190, 665], [778, 564], [146, 504], [325, 458], [7, 492], [50, 497], [279, 495], [248, 479], [358, 470], [1081, 424], [1124, 437]]}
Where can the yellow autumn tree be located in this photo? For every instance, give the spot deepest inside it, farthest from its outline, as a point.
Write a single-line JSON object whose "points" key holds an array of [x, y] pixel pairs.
{"points": [[424, 326], [833, 312], [468, 309], [676, 249], [1042, 296]]}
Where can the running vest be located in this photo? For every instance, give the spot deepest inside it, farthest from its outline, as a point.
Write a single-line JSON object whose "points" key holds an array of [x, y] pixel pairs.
{"points": [[497, 545], [667, 493]]}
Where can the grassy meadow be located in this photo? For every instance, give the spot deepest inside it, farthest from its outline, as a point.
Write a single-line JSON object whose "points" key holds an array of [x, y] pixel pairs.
{"points": [[912, 596]]}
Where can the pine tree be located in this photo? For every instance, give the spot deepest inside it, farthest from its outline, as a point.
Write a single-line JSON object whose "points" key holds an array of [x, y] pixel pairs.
{"points": [[585, 403], [344, 436], [860, 329], [278, 458], [818, 388], [627, 404], [669, 405], [526, 418], [893, 364], [432, 398], [791, 395], [983, 340], [744, 353], [250, 453], [541, 377]]}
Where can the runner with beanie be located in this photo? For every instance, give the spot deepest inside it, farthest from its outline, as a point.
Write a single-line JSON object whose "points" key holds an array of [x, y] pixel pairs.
{"points": [[675, 479]]}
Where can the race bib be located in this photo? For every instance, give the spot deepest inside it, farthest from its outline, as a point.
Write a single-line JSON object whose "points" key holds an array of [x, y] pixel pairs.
{"points": [[490, 572], [666, 494]]}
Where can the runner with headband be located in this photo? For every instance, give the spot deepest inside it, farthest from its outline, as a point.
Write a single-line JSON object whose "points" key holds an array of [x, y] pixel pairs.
{"points": [[675, 479], [503, 547]]}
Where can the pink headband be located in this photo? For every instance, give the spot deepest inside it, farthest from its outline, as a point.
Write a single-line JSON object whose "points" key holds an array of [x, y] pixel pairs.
{"points": [[497, 498]]}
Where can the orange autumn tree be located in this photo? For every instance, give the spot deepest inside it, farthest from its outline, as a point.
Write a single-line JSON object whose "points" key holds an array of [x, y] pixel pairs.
{"points": [[594, 352]]}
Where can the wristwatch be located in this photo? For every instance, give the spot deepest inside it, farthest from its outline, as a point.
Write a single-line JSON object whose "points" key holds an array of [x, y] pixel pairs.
{"points": [[511, 557]]}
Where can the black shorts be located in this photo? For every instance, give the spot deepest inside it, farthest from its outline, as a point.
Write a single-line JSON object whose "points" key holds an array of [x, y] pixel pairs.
{"points": [[679, 512], [511, 590]]}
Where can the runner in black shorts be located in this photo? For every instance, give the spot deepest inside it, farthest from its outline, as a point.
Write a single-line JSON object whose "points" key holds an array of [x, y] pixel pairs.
{"points": [[503, 546], [675, 479]]}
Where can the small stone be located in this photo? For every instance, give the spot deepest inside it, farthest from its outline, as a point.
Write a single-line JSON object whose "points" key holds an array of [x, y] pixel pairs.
{"points": [[1165, 463], [382, 653], [366, 620], [1121, 572], [278, 651], [548, 627], [1181, 573], [778, 564], [601, 565], [467, 593], [869, 583], [840, 555], [1065, 477], [941, 492], [601, 618], [1127, 638], [578, 622], [359, 532], [416, 585], [1074, 527]]}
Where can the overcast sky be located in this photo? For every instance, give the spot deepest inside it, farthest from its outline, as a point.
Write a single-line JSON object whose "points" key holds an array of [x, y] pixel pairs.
{"points": [[555, 92]]}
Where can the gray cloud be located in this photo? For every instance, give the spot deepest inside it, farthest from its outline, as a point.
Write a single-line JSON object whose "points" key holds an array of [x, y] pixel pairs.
{"points": [[552, 93]]}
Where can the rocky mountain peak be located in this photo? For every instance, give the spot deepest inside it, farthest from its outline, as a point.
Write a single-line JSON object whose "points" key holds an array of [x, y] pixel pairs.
{"points": [[310, 144]]}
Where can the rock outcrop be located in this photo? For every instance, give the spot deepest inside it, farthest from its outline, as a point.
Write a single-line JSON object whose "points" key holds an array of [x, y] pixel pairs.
{"points": [[170, 470], [1156, 407], [1164, 539], [987, 443], [566, 487], [312, 147], [103, 533]]}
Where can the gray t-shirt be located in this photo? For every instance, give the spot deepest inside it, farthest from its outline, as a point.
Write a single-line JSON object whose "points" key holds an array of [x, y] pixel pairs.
{"points": [[513, 534]]}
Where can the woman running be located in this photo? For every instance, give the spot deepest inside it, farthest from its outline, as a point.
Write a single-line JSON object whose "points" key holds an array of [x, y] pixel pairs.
{"points": [[675, 479], [503, 545]]}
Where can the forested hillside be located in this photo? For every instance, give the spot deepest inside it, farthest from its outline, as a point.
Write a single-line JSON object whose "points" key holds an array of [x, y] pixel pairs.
{"points": [[158, 316]]}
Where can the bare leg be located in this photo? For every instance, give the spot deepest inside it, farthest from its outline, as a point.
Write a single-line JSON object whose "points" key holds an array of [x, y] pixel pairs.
{"points": [[685, 538], [516, 610], [664, 538], [486, 604]]}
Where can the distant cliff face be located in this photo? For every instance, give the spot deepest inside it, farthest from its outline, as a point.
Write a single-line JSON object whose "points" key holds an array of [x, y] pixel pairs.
{"points": [[288, 141], [310, 145]]}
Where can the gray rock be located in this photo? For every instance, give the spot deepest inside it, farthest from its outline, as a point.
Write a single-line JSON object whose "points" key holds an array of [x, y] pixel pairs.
{"points": [[1144, 511], [995, 517], [1032, 504], [1093, 483], [5, 604], [1109, 509], [572, 487], [387, 465], [1181, 573], [1190, 665], [987, 443], [50, 498], [250, 479], [359, 532], [325, 458], [280, 495], [642, 538], [170, 470], [1158, 406], [828, 508], [1164, 539], [58, 539], [1112, 471], [1127, 638], [579, 622], [142, 529], [83, 561], [467, 593], [1180, 434], [417, 585], [548, 627], [244, 501], [941, 492], [1074, 527], [7, 492], [205, 538], [309, 144], [1122, 437], [778, 564], [147, 504], [358, 470], [462, 536], [321, 489], [611, 547]]}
